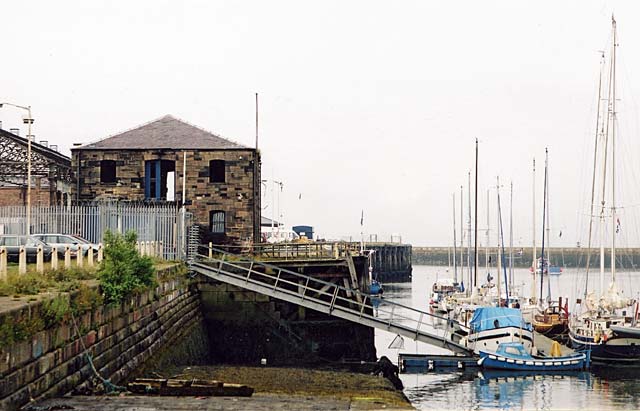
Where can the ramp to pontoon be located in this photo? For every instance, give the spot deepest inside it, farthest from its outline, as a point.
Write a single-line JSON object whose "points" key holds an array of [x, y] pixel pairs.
{"points": [[327, 297]]}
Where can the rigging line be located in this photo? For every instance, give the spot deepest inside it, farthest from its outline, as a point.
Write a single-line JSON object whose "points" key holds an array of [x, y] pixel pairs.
{"points": [[593, 180]]}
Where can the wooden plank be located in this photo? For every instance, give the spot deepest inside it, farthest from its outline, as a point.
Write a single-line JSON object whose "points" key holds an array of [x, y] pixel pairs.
{"points": [[354, 275], [194, 387]]}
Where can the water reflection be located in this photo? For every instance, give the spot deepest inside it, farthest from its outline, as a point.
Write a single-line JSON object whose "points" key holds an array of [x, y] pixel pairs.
{"points": [[601, 388]]}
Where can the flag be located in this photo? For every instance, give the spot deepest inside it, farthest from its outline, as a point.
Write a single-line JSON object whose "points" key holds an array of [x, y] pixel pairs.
{"points": [[560, 233], [362, 218]]}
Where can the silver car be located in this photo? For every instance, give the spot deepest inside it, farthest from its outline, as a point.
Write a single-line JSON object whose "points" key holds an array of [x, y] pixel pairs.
{"points": [[60, 241], [30, 243]]}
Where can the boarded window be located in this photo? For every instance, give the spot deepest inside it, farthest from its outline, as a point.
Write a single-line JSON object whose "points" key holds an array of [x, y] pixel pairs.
{"points": [[107, 171], [216, 171], [216, 222]]}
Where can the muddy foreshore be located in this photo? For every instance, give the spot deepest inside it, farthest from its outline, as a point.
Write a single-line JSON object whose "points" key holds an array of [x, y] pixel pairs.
{"points": [[275, 388]]}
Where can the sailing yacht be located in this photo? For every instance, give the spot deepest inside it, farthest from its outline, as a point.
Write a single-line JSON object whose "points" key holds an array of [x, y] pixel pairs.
{"points": [[606, 324]]}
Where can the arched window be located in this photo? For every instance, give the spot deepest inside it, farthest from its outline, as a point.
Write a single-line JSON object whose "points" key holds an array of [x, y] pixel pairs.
{"points": [[217, 222], [216, 171], [107, 171]]}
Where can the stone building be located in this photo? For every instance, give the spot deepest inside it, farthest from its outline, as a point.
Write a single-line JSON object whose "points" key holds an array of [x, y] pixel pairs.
{"points": [[146, 163]]}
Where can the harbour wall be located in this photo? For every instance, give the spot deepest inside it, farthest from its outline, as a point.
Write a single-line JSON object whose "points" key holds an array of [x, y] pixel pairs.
{"points": [[569, 257], [118, 338], [183, 321]]}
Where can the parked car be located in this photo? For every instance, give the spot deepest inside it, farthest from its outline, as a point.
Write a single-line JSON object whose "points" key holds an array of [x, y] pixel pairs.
{"points": [[30, 243], [60, 241]]}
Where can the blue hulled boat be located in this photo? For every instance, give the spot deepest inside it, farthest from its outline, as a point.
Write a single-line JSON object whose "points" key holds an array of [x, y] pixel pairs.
{"points": [[513, 356], [375, 288]]}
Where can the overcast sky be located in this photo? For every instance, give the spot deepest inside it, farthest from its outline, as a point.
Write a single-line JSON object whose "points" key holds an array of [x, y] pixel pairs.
{"points": [[364, 105]]}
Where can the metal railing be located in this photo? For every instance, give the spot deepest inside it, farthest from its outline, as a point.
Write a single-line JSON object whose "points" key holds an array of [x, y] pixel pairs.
{"points": [[162, 223], [290, 250], [326, 297]]}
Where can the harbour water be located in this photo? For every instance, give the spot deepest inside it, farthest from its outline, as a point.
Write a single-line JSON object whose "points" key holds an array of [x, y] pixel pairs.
{"points": [[599, 388]]}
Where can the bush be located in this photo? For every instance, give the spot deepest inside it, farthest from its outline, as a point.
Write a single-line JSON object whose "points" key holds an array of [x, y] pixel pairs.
{"points": [[54, 310], [123, 271], [85, 299]]}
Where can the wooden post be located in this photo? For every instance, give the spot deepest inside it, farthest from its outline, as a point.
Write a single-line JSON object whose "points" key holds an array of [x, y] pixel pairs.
{"points": [[210, 250], [3, 263], [67, 257], [90, 256], [54, 258], [40, 260], [22, 260], [354, 275], [100, 253]]}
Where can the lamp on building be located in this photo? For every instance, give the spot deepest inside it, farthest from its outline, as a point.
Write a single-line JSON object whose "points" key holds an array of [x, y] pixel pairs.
{"points": [[29, 121]]}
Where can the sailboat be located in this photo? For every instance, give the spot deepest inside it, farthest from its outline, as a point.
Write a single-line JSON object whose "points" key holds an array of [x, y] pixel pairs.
{"points": [[603, 327], [479, 325], [543, 264], [553, 321], [444, 288]]}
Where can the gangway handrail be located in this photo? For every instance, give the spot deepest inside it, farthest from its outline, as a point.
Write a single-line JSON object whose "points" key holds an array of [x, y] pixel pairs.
{"points": [[328, 283], [334, 304]]}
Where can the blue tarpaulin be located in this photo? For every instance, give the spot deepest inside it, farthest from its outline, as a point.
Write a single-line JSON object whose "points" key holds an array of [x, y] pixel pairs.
{"points": [[488, 318]]}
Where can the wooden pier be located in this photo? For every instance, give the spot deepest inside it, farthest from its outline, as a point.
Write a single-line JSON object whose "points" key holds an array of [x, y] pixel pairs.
{"points": [[391, 261]]}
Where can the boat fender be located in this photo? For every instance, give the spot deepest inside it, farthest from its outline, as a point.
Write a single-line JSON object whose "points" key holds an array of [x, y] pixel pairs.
{"points": [[430, 367], [605, 337], [460, 365], [596, 337]]}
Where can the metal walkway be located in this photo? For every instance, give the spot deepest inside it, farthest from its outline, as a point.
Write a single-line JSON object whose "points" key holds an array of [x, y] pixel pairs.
{"points": [[326, 297]]}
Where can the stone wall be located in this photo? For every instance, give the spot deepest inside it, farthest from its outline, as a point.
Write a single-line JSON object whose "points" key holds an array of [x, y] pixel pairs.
{"points": [[119, 339], [238, 196], [245, 327]]}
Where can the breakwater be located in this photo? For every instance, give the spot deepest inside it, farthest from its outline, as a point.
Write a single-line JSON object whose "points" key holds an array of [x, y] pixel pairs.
{"points": [[522, 256]]}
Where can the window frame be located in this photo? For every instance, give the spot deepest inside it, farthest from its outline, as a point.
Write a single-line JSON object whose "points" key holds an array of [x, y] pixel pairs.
{"points": [[217, 171], [113, 174]]}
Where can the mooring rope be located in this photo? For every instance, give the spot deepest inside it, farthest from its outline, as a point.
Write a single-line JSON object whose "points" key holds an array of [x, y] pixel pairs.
{"points": [[109, 387]]}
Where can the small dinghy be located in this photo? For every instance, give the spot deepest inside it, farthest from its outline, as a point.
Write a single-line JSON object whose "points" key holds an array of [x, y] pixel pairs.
{"points": [[513, 356], [376, 288]]}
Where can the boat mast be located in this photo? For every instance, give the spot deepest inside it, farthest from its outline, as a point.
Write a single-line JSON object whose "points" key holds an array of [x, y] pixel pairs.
{"points": [[475, 234], [612, 114], [498, 254], [455, 251], [604, 180], [461, 237], [544, 211], [548, 234], [598, 135], [469, 236], [534, 264], [511, 235], [501, 243], [486, 248]]}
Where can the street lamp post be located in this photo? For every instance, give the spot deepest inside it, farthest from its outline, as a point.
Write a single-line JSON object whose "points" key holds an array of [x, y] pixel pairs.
{"points": [[28, 121]]}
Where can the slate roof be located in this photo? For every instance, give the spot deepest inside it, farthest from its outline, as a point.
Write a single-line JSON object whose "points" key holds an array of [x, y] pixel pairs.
{"points": [[167, 132]]}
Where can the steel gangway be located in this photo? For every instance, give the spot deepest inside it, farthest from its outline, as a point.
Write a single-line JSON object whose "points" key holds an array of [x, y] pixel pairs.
{"points": [[327, 297]]}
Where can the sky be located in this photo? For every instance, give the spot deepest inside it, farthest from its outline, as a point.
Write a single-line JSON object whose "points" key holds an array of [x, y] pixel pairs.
{"points": [[366, 107]]}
